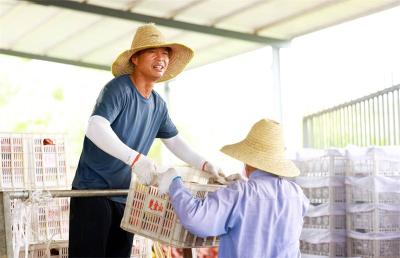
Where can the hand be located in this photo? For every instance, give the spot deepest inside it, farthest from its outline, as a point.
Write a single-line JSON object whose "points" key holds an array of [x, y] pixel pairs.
{"points": [[145, 169], [165, 179], [213, 169], [234, 177]]}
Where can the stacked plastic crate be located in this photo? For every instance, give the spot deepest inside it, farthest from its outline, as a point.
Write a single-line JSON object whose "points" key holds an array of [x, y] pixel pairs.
{"points": [[35, 162], [373, 202], [150, 214], [40, 225], [322, 180]]}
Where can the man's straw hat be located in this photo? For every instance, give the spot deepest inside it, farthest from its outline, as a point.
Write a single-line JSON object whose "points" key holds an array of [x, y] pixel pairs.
{"points": [[263, 148], [148, 36]]}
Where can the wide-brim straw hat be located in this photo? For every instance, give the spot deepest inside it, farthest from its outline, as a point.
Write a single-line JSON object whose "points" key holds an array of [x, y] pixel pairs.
{"points": [[264, 149], [148, 36]]}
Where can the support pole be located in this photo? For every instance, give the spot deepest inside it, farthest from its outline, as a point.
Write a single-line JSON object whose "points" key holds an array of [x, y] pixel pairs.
{"points": [[276, 76], [5, 226]]}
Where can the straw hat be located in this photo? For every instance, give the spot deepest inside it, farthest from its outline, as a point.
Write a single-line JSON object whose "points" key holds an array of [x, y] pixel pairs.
{"points": [[148, 36], [263, 148]]}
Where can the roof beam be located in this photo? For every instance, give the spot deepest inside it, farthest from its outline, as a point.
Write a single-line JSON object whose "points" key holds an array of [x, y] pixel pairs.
{"points": [[128, 15], [314, 8], [185, 8], [238, 11], [54, 59]]}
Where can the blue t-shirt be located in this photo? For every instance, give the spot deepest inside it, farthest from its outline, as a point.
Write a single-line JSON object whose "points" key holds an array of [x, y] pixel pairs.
{"points": [[137, 121]]}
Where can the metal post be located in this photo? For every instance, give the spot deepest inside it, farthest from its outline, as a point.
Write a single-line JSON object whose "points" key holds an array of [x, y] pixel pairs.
{"points": [[167, 97], [6, 249], [277, 81], [3, 234]]}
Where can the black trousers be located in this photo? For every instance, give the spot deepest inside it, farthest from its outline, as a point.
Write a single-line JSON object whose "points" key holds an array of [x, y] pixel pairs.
{"points": [[94, 228]]}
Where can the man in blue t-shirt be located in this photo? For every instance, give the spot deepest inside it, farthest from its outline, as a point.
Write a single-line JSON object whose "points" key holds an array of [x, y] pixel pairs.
{"points": [[126, 119]]}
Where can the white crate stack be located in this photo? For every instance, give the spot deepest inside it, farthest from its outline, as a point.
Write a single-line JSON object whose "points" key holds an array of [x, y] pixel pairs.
{"points": [[33, 161], [322, 180], [40, 225], [39, 222], [59, 249], [36, 162], [50, 250], [373, 202]]}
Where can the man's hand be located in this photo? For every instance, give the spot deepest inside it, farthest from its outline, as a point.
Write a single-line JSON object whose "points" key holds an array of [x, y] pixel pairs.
{"points": [[212, 169], [165, 179], [144, 168]]}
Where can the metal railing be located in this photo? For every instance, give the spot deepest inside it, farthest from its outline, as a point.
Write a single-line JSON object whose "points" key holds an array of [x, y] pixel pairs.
{"points": [[370, 120]]}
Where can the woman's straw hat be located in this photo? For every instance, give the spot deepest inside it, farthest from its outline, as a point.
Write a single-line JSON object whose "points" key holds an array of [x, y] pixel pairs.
{"points": [[148, 36], [263, 148]]}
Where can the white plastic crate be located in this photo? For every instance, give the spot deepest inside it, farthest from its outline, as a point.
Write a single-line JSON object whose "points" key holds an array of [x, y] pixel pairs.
{"points": [[325, 194], [49, 220], [53, 220], [48, 168], [359, 195], [33, 161], [374, 161], [319, 163], [369, 166], [373, 190], [13, 162], [367, 248], [151, 215], [141, 247], [374, 221], [53, 250], [331, 222], [331, 249]]}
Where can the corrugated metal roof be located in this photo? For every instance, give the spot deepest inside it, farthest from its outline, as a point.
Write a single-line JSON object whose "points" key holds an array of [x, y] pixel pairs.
{"points": [[93, 32]]}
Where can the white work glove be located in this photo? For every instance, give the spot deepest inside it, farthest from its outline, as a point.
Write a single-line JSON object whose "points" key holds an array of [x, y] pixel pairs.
{"points": [[165, 179], [145, 169], [212, 169]]}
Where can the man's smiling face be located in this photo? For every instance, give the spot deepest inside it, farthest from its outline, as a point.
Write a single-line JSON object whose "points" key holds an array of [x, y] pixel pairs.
{"points": [[152, 62]]}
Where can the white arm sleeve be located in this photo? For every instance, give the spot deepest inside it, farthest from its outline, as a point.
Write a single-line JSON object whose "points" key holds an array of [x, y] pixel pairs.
{"points": [[180, 149], [101, 134]]}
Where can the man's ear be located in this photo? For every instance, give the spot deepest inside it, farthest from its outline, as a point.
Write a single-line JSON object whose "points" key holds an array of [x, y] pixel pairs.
{"points": [[133, 59]]}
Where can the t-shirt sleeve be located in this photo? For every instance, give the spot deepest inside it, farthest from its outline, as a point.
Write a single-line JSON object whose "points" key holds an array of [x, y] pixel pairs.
{"points": [[167, 128], [109, 102]]}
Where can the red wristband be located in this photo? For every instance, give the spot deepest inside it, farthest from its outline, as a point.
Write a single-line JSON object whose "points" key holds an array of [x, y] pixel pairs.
{"points": [[135, 160], [204, 165]]}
